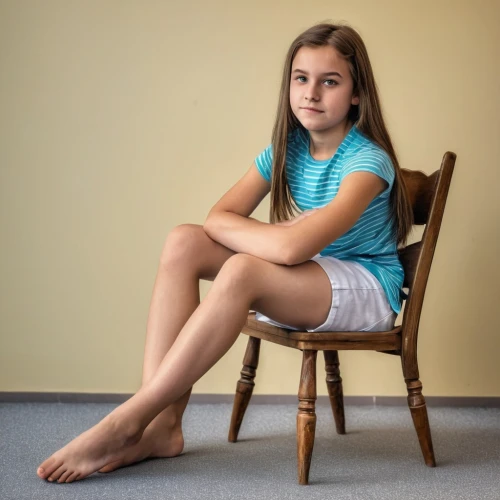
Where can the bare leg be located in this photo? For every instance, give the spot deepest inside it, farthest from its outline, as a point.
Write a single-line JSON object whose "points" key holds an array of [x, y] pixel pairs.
{"points": [[205, 338], [297, 295], [188, 256]]}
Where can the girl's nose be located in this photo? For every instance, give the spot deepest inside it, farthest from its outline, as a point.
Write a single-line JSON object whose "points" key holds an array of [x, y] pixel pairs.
{"points": [[310, 98], [312, 94]]}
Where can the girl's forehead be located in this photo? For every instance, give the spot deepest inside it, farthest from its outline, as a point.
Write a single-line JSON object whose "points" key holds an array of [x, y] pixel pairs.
{"points": [[319, 59]]}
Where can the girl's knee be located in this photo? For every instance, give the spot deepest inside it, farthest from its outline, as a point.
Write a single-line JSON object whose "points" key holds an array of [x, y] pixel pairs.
{"points": [[183, 243], [239, 272]]}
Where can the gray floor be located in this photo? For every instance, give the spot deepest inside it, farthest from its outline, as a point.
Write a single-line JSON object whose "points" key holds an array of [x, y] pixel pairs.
{"points": [[378, 458]]}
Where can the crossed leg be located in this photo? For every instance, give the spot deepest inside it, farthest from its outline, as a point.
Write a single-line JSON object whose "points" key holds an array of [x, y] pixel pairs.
{"points": [[296, 295], [188, 256]]}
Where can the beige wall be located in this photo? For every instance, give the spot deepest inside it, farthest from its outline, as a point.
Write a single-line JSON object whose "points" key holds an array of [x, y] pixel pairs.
{"points": [[123, 119]]}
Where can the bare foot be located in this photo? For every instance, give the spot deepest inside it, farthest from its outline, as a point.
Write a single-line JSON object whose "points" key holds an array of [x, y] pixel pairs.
{"points": [[156, 442], [100, 445]]}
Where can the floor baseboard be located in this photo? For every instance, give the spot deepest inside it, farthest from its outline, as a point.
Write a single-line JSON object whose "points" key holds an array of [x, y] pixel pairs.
{"points": [[79, 397]]}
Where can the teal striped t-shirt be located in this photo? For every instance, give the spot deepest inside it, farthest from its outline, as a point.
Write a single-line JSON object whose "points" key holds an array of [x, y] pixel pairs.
{"points": [[314, 183]]}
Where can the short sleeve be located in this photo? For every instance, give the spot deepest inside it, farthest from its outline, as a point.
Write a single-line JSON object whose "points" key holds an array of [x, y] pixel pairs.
{"points": [[264, 163], [377, 162]]}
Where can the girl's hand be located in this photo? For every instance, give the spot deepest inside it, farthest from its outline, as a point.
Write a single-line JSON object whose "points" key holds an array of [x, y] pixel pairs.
{"points": [[293, 221]]}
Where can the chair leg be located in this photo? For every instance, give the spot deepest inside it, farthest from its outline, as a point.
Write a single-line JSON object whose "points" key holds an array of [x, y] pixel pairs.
{"points": [[334, 384], [418, 408], [306, 416], [244, 387]]}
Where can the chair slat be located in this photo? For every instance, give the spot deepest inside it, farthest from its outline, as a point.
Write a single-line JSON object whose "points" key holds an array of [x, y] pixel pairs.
{"points": [[420, 188], [409, 258]]}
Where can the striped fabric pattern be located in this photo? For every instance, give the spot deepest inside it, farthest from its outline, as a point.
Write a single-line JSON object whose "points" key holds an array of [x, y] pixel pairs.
{"points": [[314, 183]]}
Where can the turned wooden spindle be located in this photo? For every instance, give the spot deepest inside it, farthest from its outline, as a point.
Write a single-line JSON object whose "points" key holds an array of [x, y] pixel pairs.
{"points": [[335, 392], [306, 416], [244, 387], [418, 409]]}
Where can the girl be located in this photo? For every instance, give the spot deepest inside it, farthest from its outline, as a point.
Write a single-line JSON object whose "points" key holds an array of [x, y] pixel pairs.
{"points": [[334, 267]]}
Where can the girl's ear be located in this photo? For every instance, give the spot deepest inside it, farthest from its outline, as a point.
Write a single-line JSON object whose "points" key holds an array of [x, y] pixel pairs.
{"points": [[355, 100]]}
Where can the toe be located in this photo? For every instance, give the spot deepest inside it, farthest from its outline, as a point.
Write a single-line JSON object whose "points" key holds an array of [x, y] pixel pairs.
{"points": [[48, 467], [58, 472], [64, 476], [72, 478]]}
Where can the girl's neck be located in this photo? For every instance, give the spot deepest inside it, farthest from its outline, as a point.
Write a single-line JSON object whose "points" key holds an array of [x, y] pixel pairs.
{"points": [[323, 145]]}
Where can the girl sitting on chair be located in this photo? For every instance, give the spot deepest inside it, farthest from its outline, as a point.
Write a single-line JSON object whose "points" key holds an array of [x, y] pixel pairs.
{"points": [[333, 267]]}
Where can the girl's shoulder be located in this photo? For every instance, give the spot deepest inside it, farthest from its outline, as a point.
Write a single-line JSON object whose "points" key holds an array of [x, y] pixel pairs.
{"points": [[363, 154]]}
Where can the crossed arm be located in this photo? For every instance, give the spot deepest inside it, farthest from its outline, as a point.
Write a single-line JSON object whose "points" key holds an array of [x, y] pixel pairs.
{"points": [[247, 235], [298, 241]]}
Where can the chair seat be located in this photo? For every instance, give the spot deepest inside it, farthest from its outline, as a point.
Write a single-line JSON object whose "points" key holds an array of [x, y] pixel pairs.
{"points": [[377, 341]]}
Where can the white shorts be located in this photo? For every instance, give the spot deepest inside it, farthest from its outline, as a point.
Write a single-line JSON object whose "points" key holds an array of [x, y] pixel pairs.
{"points": [[359, 303]]}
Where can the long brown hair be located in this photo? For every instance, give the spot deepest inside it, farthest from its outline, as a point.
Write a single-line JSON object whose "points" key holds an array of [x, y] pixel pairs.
{"points": [[367, 116]]}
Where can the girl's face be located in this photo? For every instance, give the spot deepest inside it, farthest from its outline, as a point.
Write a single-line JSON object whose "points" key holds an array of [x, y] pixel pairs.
{"points": [[321, 79]]}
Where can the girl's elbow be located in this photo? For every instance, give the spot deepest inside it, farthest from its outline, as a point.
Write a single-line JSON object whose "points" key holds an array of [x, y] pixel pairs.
{"points": [[290, 256], [298, 255], [292, 251], [293, 260], [208, 225], [287, 261]]}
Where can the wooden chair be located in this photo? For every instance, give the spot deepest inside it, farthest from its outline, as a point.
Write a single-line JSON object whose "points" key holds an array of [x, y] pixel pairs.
{"points": [[428, 198]]}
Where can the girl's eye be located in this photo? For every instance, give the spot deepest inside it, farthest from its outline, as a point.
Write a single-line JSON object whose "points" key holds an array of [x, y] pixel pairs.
{"points": [[331, 84]]}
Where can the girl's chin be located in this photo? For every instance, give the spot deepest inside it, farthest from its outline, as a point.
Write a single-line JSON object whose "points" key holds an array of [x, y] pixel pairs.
{"points": [[315, 128], [315, 122]]}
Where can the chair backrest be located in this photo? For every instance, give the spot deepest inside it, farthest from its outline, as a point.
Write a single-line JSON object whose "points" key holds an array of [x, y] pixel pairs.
{"points": [[428, 198]]}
